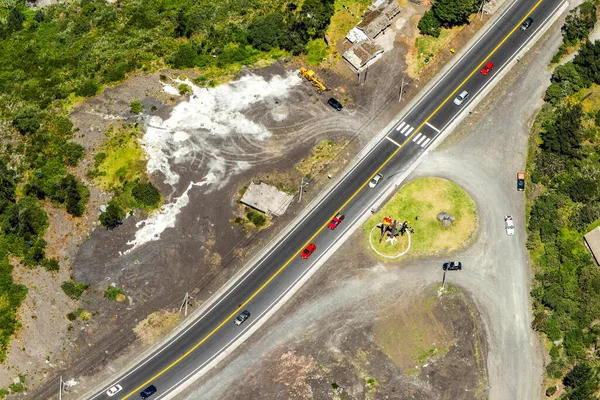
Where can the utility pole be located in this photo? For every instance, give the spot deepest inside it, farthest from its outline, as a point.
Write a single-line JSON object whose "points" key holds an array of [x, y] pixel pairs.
{"points": [[60, 388], [366, 73], [301, 186], [185, 302], [401, 90]]}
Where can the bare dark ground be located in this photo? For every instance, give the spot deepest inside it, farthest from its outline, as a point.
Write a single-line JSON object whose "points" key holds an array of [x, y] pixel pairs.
{"points": [[360, 332], [156, 276]]}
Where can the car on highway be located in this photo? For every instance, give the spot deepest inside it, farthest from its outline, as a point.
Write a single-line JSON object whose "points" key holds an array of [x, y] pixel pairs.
{"points": [[242, 317], [375, 181], [526, 24], [509, 225], [487, 68], [520, 181], [114, 390], [452, 266], [464, 95], [308, 250], [149, 391], [335, 104], [336, 221]]}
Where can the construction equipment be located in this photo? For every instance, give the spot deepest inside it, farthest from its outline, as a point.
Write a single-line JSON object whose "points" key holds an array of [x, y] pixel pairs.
{"points": [[309, 75]]}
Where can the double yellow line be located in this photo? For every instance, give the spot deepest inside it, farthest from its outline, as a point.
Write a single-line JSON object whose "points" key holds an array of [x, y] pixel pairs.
{"points": [[260, 289]]}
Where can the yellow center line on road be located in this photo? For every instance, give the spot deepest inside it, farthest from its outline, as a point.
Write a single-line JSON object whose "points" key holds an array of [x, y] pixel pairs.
{"points": [[260, 289]]}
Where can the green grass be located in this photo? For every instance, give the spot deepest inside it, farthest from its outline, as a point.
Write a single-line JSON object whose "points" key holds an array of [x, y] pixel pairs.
{"points": [[125, 160], [316, 51], [428, 46], [425, 198]]}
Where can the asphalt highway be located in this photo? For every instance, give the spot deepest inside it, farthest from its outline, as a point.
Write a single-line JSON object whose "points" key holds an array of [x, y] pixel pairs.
{"points": [[259, 290]]}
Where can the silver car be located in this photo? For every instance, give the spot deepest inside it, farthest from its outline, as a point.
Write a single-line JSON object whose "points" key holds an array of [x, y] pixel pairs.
{"points": [[375, 180], [464, 95]]}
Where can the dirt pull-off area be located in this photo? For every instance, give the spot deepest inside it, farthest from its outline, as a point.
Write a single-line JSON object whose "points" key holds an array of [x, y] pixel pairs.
{"points": [[423, 346]]}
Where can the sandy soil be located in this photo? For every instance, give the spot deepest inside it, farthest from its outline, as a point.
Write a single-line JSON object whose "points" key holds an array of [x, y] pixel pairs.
{"points": [[203, 231]]}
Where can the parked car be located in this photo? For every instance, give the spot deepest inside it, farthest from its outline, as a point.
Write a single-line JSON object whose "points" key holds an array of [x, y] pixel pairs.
{"points": [[526, 24], [335, 104], [487, 68], [375, 181], [114, 390], [308, 250], [520, 181], [509, 225], [242, 317], [464, 95], [149, 391], [452, 266], [336, 221]]}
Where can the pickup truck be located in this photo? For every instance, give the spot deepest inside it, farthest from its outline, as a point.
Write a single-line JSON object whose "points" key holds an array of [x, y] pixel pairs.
{"points": [[520, 181]]}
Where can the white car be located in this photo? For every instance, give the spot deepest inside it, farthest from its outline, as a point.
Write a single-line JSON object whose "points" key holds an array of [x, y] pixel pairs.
{"points": [[114, 390], [461, 97], [375, 181], [509, 225]]}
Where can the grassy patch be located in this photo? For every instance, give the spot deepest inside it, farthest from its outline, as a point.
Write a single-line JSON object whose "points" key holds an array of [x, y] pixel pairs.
{"points": [[156, 325], [122, 158], [316, 51], [425, 198], [412, 333], [112, 293], [321, 155], [428, 46]]}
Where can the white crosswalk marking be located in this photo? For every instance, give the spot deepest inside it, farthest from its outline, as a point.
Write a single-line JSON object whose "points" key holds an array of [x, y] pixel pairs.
{"points": [[426, 142], [417, 137], [409, 131], [420, 140], [405, 129], [401, 126]]}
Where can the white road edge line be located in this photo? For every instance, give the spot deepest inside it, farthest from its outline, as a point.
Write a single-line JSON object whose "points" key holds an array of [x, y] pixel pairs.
{"points": [[393, 141]]}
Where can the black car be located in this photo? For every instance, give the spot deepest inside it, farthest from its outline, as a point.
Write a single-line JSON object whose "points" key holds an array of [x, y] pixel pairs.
{"points": [[526, 24], [335, 104], [149, 391], [452, 266], [242, 317]]}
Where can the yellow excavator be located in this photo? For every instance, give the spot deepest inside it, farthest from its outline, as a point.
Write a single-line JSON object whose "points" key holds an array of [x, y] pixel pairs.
{"points": [[310, 76]]}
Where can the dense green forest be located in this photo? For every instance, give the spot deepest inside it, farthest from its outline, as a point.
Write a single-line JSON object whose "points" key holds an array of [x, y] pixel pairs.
{"points": [[566, 169], [52, 56]]}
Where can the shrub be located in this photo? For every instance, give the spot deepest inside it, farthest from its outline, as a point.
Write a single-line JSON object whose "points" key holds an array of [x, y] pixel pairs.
{"points": [[257, 218], [136, 106], [550, 391], [88, 88], [27, 121], [112, 292], [147, 194], [112, 217], [51, 264], [185, 89], [73, 289], [72, 153]]}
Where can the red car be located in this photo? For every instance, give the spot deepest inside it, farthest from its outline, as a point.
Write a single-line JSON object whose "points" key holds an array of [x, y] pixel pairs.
{"points": [[487, 68], [336, 221], [308, 250]]}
